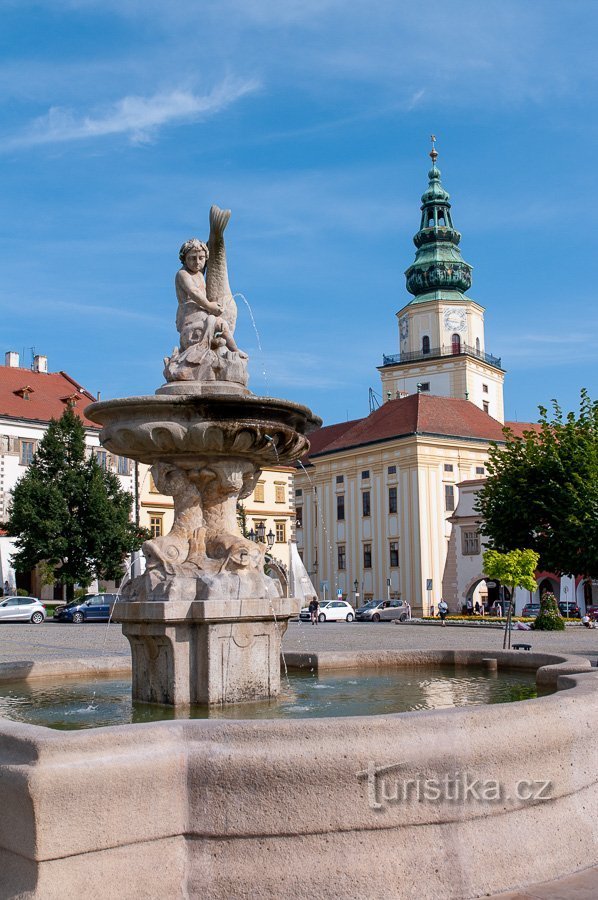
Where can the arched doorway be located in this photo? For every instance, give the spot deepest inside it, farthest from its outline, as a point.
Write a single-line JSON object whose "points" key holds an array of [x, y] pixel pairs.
{"points": [[456, 344], [548, 586]]}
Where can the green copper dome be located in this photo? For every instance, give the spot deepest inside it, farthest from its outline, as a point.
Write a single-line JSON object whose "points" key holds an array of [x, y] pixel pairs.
{"points": [[438, 264]]}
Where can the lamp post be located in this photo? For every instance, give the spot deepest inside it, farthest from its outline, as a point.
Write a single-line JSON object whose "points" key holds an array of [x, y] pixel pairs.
{"points": [[260, 530], [270, 538], [355, 586]]}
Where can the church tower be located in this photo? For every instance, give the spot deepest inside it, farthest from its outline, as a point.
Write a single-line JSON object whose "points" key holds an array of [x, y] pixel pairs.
{"points": [[441, 330]]}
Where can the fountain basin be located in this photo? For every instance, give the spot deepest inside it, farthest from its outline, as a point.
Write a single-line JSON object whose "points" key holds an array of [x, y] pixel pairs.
{"points": [[292, 807], [184, 426]]}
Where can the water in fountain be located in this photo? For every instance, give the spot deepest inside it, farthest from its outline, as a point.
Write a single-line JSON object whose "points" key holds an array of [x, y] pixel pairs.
{"points": [[64, 705]]}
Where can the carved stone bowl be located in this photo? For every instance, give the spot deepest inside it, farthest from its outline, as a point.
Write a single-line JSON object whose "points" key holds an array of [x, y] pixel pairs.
{"points": [[158, 427]]}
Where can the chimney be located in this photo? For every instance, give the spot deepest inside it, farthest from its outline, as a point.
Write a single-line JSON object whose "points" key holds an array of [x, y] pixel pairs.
{"points": [[40, 364], [11, 359]]}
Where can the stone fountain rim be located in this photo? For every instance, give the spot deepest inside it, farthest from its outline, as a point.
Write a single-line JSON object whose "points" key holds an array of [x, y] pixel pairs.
{"points": [[183, 401], [554, 668]]}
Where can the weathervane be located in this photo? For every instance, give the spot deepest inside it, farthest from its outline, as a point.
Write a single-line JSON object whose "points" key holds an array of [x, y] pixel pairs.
{"points": [[433, 153]]}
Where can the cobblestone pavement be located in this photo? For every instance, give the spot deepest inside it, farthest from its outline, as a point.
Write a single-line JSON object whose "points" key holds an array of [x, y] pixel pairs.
{"points": [[53, 640]]}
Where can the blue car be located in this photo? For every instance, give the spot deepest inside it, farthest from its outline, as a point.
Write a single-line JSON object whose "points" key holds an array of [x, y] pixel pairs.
{"points": [[92, 608]]}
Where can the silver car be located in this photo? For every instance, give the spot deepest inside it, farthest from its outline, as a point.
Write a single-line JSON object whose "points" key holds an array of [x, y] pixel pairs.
{"points": [[382, 611], [22, 609]]}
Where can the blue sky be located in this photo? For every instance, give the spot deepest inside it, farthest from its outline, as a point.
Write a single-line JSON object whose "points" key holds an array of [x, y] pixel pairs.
{"points": [[122, 122]]}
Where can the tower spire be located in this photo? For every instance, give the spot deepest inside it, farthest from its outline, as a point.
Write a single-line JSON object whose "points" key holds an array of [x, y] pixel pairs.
{"points": [[438, 267]]}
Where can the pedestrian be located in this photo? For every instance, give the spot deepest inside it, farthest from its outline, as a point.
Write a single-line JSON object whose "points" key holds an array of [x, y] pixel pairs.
{"points": [[6, 589], [469, 606], [313, 610], [432, 610], [477, 608], [442, 611]]}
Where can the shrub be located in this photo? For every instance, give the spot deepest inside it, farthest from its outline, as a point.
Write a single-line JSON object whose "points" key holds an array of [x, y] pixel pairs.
{"points": [[21, 592], [549, 617]]}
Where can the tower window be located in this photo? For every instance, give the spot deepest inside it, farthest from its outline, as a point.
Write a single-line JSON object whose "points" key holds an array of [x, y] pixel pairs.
{"points": [[485, 388], [456, 344], [449, 497], [486, 407], [425, 344], [340, 507], [365, 503]]}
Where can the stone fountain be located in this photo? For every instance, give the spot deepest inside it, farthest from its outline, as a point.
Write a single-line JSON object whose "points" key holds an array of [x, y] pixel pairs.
{"points": [[204, 621]]}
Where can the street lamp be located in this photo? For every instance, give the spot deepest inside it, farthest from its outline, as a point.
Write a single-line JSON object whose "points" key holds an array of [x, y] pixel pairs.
{"points": [[260, 530], [270, 538], [251, 535], [355, 586]]}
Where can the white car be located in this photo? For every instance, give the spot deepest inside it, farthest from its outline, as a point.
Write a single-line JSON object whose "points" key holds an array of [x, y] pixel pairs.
{"points": [[22, 609], [331, 611]]}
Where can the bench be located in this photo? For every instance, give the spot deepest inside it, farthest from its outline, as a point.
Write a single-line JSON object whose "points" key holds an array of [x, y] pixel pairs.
{"points": [[522, 646]]}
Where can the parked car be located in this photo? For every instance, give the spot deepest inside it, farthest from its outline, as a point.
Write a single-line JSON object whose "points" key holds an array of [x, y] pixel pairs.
{"points": [[382, 611], [530, 610], [97, 608], [22, 609], [77, 602], [569, 609], [331, 611]]}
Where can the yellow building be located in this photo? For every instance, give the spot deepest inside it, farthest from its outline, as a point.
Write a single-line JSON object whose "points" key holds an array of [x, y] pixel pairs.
{"points": [[374, 509]]}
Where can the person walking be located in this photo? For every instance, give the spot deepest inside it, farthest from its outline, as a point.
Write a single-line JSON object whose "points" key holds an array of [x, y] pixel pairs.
{"points": [[442, 611], [314, 606]]}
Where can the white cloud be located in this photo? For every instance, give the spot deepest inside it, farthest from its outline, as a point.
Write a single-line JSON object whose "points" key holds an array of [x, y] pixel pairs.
{"points": [[137, 117]]}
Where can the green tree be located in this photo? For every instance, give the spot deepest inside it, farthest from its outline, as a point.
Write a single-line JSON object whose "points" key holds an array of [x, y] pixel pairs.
{"points": [[513, 569], [70, 514], [542, 491]]}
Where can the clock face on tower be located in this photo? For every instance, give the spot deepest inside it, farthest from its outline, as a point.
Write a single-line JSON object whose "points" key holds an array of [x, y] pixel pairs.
{"points": [[404, 327], [455, 319]]}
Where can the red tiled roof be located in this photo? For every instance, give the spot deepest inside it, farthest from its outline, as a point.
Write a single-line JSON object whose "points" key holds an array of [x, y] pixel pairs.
{"points": [[416, 414], [323, 436], [519, 428], [49, 392]]}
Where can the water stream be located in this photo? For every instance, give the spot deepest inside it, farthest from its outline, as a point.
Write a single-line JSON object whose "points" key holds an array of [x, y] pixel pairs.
{"points": [[259, 343], [322, 521]]}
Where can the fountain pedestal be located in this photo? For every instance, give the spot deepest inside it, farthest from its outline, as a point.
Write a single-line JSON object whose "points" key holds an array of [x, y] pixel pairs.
{"points": [[205, 621], [205, 652]]}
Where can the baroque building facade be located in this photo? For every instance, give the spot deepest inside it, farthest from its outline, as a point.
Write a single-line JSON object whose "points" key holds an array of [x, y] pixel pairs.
{"points": [[375, 504]]}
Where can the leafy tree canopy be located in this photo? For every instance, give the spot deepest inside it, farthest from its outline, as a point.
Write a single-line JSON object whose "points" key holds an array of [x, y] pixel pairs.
{"points": [[69, 513], [542, 491], [513, 569]]}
